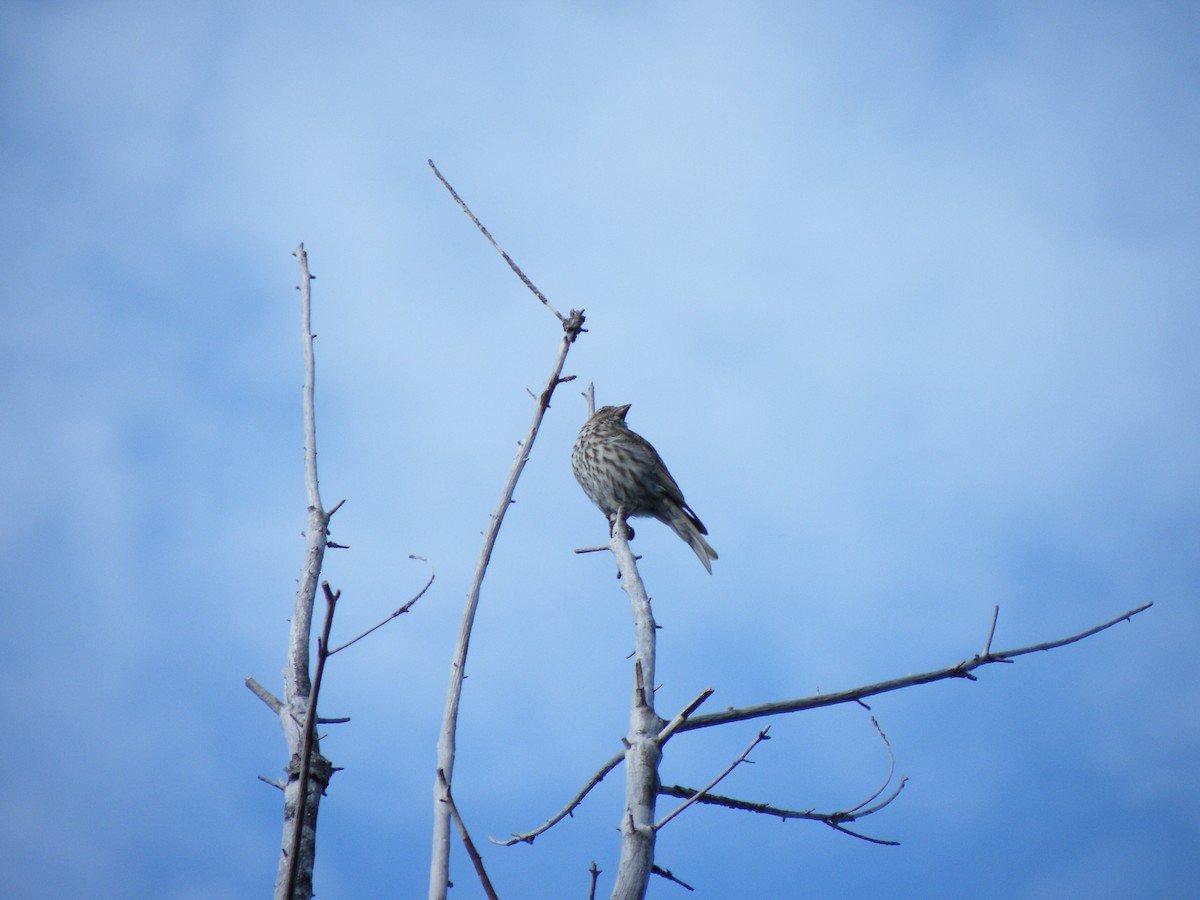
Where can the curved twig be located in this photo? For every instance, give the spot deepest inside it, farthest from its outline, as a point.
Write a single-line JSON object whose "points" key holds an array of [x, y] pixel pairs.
{"points": [[399, 612], [527, 837], [891, 768]]}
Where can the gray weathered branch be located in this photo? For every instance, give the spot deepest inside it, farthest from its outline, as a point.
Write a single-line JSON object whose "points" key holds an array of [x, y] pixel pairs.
{"points": [[572, 326], [962, 669]]}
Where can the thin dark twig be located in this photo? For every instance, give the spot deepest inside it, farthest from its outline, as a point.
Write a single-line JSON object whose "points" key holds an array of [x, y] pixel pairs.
{"points": [[476, 859], [862, 837], [595, 874], [306, 746], [527, 837], [833, 819], [401, 611], [487, 234], [891, 768], [666, 873], [762, 736]]}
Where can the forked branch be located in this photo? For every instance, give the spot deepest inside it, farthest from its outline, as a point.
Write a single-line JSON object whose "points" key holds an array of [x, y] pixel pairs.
{"points": [[686, 722]]}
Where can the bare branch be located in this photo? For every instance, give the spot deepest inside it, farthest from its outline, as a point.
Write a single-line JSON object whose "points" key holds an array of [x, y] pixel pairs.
{"points": [[643, 756], [567, 810], [273, 702], [987, 645], [308, 738], [891, 768], [596, 549], [833, 820], [673, 725], [487, 234], [959, 670], [301, 813], [476, 859], [666, 873], [572, 325], [401, 611], [762, 736], [595, 874]]}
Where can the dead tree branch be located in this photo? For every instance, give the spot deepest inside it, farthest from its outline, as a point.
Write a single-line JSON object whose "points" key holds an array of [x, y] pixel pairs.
{"points": [[487, 234], [666, 874], [833, 820], [962, 669], [569, 809], [595, 876], [643, 750], [762, 736], [308, 739], [472, 852], [293, 879], [397, 613], [686, 722], [572, 326]]}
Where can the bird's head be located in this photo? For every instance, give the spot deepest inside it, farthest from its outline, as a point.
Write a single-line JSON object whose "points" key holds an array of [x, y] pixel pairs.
{"points": [[614, 412]]}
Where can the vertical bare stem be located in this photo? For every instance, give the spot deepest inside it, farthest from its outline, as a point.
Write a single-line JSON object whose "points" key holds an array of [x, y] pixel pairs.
{"points": [[296, 682], [643, 752]]}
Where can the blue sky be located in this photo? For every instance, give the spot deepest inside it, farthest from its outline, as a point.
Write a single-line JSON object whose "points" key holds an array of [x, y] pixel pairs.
{"points": [[904, 293]]}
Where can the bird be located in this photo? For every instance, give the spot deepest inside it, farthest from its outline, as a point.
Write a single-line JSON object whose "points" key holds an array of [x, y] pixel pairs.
{"points": [[619, 469]]}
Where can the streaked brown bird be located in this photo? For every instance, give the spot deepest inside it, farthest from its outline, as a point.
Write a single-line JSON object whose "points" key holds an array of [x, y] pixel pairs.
{"points": [[618, 469]]}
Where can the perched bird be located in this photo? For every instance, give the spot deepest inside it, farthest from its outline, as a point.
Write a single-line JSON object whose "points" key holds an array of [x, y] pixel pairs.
{"points": [[617, 468]]}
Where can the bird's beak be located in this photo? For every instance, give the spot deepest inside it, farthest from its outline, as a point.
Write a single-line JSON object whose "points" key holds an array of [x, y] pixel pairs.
{"points": [[622, 410]]}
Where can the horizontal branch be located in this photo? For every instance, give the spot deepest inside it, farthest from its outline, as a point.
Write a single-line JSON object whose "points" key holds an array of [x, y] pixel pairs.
{"points": [[834, 820], [958, 670]]}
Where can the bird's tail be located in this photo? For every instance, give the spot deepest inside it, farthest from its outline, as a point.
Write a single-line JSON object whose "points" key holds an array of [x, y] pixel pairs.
{"points": [[689, 528]]}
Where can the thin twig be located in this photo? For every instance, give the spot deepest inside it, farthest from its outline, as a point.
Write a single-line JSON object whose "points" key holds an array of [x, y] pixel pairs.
{"points": [[762, 736], [833, 819], [487, 234], [595, 873], [476, 859], [401, 611], [959, 670], [666, 873], [891, 768], [569, 809]]}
